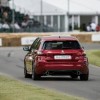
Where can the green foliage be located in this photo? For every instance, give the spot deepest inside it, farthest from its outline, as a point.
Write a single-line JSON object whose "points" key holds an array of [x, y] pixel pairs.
{"points": [[94, 57], [15, 90]]}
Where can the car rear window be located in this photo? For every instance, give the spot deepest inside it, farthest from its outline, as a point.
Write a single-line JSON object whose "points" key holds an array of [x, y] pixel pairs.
{"points": [[54, 45]]}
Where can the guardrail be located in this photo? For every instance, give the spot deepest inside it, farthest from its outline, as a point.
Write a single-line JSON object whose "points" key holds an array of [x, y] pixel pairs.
{"points": [[20, 39]]}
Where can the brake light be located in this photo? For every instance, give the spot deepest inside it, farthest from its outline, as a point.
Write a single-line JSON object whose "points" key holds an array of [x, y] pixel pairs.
{"points": [[81, 54], [40, 56], [81, 57]]}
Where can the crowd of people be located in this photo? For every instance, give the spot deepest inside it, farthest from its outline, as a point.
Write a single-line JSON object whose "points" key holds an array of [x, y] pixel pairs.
{"points": [[21, 22], [92, 27]]}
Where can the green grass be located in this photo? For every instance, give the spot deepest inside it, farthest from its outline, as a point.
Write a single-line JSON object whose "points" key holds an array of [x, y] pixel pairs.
{"points": [[94, 57], [15, 90]]}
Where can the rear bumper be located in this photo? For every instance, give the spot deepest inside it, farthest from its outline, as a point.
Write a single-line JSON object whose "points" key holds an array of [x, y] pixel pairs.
{"points": [[62, 72], [61, 68]]}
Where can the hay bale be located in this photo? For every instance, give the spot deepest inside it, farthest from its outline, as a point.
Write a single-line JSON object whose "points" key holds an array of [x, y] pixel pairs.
{"points": [[83, 37]]}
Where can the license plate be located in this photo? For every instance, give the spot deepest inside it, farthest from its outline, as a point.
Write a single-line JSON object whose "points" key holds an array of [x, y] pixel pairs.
{"points": [[62, 57]]}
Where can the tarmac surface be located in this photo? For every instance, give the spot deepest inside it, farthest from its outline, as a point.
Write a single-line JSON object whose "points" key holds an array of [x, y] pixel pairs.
{"points": [[11, 63]]}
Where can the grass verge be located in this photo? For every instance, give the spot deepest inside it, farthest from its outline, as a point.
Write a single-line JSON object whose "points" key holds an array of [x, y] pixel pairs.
{"points": [[94, 57], [15, 90]]}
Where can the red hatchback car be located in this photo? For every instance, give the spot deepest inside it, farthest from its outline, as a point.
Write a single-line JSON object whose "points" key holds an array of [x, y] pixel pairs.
{"points": [[56, 55]]}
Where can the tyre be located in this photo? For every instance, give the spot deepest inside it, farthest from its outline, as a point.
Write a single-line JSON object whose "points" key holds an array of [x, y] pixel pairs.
{"points": [[84, 77], [35, 76], [74, 76], [26, 75]]}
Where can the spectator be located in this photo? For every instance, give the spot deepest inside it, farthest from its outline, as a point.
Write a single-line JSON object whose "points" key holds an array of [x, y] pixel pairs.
{"points": [[88, 27], [26, 17], [5, 16], [93, 26], [24, 24], [5, 27], [98, 28], [16, 25]]}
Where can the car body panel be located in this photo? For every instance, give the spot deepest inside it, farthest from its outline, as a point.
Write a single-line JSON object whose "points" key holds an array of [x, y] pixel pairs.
{"points": [[62, 60]]}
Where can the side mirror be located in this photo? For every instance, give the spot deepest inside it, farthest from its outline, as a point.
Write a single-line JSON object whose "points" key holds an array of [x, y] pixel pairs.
{"points": [[26, 48]]}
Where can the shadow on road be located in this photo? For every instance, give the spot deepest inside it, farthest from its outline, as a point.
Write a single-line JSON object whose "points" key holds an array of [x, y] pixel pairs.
{"points": [[51, 78]]}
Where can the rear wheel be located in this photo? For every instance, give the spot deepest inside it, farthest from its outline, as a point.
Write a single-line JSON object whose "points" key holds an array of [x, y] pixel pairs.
{"points": [[35, 76], [26, 75], [84, 77]]}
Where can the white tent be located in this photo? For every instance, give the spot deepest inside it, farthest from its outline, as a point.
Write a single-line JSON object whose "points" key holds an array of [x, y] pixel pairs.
{"points": [[60, 7], [85, 6], [80, 11], [78, 6], [34, 7]]}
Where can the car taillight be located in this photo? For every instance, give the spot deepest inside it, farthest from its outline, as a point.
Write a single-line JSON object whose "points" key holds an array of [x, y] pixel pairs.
{"points": [[81, 57], [40, 56], [81, 54]]}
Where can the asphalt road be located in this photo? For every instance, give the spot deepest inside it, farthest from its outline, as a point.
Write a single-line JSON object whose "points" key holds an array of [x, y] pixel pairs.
{"points": [[11, 63]]}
